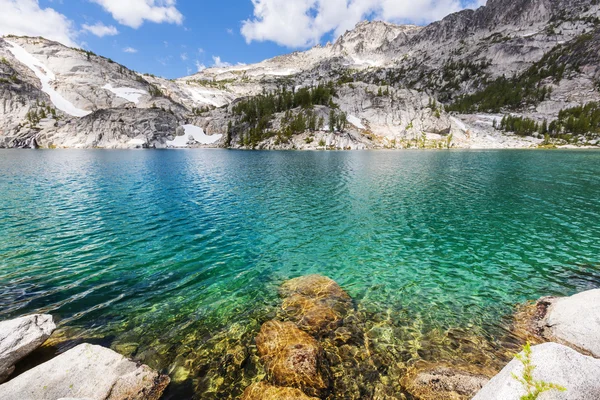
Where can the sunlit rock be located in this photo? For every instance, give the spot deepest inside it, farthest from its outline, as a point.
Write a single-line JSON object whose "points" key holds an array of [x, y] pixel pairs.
{"points": [[571, 375], [573, 321], [21, 336], [87, 371]]}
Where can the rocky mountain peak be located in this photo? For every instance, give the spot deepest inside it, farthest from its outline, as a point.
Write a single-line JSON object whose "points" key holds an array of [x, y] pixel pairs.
{"points": [[371, 37]]}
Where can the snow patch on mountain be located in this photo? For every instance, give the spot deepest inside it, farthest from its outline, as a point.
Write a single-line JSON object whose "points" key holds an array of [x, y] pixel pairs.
{"points": [[205, 96], [193, 134], [45, 76], [129, 94], [356, 122]]}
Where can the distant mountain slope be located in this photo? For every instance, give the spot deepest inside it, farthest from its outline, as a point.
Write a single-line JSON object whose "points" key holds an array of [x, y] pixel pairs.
{"points": [[448, 84]]}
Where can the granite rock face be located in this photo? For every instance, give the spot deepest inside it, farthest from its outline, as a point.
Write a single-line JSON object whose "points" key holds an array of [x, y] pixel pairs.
{"points": [[87, 372], [555, 364], [114, 128], [573, 321], [21, 336]]}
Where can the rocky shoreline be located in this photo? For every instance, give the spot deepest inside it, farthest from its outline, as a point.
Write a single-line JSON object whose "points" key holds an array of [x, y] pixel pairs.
{"points": [[317, 347]]}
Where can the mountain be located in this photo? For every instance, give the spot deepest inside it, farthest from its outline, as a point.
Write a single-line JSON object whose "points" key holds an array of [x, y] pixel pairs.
{"points": [[514, 73]]}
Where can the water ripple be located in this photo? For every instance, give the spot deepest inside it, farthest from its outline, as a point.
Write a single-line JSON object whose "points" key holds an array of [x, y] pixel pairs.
{"points": [[167, 249]]}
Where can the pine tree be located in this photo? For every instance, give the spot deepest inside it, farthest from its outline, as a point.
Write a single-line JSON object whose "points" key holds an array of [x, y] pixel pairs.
{"points": [[332, 120]]}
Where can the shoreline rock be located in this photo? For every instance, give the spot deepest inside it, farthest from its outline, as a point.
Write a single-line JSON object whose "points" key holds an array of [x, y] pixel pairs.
{"points": [[554, 364], [19, 337], [572, 321], [87, 371]]}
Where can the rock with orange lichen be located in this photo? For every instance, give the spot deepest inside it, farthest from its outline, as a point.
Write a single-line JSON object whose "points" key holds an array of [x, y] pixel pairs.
{"points": [[317, 304], [291, 357], [264, 391]]}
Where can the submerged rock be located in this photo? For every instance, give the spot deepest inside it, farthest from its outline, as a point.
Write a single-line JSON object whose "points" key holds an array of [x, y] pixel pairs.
{"points": [[573, 321], [314, 286], [264, 391], [90, 372], [21, 336], [554, 364], [291, 357], [443, 383], [317, 304]]}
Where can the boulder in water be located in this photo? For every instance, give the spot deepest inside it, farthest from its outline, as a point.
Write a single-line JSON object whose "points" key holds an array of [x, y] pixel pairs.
{"points": [[317, 304], [21, 336], [87, 372], [573, 321], [291, 357], [264, 391]]}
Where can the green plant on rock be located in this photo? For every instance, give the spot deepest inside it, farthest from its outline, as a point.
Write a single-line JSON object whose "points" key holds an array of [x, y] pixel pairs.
{"points": [[533, 387]]}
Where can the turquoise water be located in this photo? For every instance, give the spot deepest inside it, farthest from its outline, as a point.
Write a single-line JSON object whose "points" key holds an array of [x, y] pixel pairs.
{"points": [[174, 257]]}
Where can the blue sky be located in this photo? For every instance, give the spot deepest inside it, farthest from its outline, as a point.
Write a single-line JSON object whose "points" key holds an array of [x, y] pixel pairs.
{"points": [[209, 28], [174, 38]]}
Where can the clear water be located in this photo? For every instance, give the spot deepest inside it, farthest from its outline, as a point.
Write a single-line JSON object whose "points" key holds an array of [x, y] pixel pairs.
{"points": [[174, 257]]}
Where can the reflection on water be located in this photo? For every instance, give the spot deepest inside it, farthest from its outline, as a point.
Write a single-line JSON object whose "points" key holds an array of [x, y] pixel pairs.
{"points": [[175, 257]]}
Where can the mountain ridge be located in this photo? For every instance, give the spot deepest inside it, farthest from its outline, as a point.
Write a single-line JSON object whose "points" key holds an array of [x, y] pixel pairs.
{"points": [[410, 79]]}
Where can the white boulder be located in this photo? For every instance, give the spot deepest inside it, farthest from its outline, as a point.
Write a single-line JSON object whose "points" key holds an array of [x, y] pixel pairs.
{"points": [[575, 321], [87, 372], [555, 364], [21, 336]]}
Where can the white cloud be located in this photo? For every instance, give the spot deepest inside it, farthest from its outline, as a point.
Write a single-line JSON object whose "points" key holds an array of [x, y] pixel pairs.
{"points": [[130, 50], [184, 57], [133, 13], [199, 66], [220, 63], [302, 23], [27, 18], [229, 31], [100, 30]]}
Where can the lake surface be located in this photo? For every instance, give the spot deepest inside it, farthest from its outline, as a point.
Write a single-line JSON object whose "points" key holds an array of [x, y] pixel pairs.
{"points": [[175, 257]]}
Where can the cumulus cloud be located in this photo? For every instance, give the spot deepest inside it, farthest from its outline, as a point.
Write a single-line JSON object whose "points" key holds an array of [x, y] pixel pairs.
{"points": [[130, 50], [27, 18], [100, 30], [133, 13], [302, 23], [184, 57], [217, 62]]}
